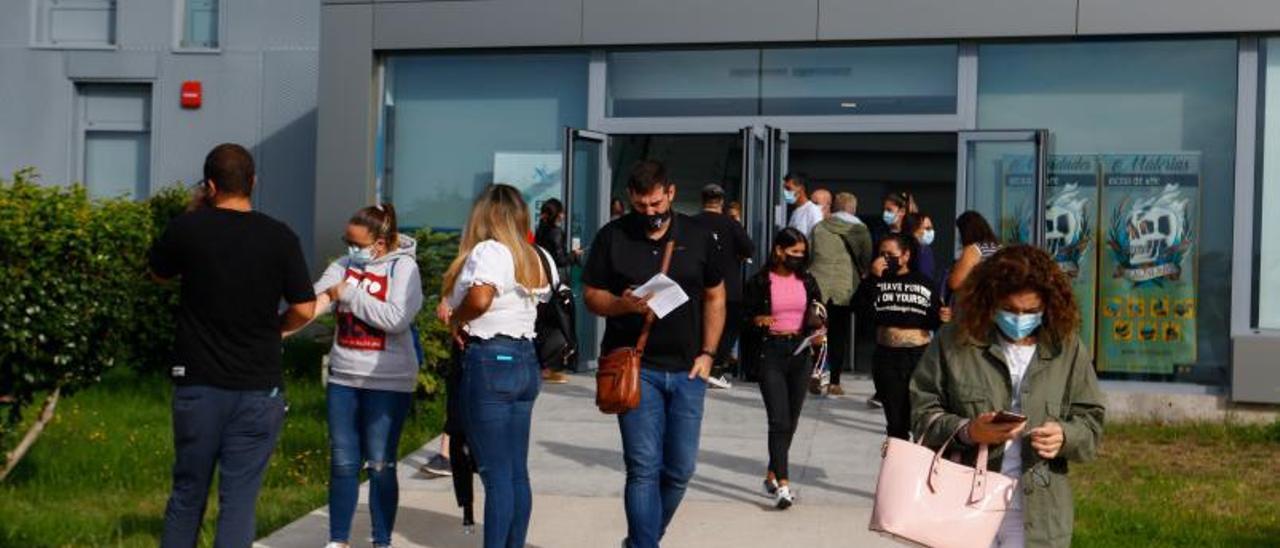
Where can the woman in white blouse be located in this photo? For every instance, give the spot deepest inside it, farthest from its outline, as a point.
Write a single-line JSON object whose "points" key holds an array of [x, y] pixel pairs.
{"points": [[494, 286]]}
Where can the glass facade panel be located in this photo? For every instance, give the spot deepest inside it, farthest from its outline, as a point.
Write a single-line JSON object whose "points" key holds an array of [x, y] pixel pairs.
{"points": [[1267, 227], [455, 123], [861, 80], [683, 83], [1159, 119]]}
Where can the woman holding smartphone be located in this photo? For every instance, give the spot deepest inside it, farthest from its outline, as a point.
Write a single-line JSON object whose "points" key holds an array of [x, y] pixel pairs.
{"points": [[1013, 374]]}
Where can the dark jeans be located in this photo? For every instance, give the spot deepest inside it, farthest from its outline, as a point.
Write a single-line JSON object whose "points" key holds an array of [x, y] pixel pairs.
{"points": [[234, 431], [660, 449], [364, 431], [839, 321], [732, 328], [784, 378], [500, 380], [891, 373]]}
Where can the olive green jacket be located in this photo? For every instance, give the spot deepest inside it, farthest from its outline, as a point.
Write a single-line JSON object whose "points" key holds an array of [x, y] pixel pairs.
{"points": [[841, 255], [963, 378]]}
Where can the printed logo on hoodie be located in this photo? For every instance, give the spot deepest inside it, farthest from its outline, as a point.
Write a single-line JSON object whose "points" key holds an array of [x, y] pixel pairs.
{"points": [[354, 332]]}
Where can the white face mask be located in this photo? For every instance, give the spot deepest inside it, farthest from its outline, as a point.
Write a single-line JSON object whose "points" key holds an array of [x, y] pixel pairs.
{"points": [[927, 237]]}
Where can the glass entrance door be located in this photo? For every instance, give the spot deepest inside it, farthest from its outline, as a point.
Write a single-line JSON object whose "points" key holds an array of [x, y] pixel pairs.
{"points": [[586, 209], [1001, 174]]}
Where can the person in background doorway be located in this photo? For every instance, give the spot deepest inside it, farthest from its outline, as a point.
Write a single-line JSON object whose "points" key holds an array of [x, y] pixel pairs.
{"points": [[373, 366], [806, 214], [550, 236], [616, 209], [822, 197], [896, 207], [920, 227], [235, 266], [977, 243], [907, 308], [841, 259], [734, 209], [733, 249], [779, 299], [1016, 347]]}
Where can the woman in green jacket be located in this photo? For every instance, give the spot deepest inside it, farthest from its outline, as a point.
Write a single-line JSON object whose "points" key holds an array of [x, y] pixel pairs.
{"points": [[1015, 347]]}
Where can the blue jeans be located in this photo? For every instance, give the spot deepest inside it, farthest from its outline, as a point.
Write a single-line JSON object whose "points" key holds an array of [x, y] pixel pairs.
{"points": [[660, 448], [364, 432], [500, 380], [234, 431]]}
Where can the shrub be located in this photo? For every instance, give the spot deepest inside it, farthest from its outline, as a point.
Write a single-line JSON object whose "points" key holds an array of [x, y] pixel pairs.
{"points": [[78, 299], [435, 251]]}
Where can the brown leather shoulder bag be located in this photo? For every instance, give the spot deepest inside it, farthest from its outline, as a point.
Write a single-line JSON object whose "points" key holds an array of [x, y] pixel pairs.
{"points": [[618, 377]]}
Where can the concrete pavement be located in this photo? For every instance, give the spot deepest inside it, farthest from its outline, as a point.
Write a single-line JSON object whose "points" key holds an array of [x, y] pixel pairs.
{"points": [[577, 476]]}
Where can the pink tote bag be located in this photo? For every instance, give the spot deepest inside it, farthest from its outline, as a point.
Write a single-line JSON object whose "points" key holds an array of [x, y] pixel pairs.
{"points": [[928, 500]]}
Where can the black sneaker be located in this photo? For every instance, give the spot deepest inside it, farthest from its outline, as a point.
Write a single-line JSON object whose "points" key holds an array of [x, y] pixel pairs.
{"points": [[770, 487], [438, 466]]}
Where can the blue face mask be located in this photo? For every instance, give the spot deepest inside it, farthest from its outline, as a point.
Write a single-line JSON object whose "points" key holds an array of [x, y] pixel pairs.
{"points": [[927, 237], [1018, 326], [890, 217], [359, 256], [789, 196]]}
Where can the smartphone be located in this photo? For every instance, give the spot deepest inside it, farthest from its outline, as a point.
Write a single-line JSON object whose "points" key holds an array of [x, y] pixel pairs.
{"points": [[1007, 417]]}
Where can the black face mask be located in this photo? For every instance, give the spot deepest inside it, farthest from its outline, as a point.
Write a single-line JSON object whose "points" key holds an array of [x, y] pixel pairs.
{"points": [[894, 264], [653, 223], [793, 263]]}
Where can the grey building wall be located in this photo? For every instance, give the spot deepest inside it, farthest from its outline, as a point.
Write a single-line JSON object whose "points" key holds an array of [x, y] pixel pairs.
{"points": [[259, 90]]}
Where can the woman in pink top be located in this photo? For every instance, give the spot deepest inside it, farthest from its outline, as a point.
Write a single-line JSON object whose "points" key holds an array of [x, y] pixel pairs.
{"points": [[777, 301]]}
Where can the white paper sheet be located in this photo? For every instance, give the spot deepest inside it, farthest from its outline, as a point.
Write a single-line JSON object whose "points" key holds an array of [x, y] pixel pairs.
{"points": [[808, 341], [666, 294]]}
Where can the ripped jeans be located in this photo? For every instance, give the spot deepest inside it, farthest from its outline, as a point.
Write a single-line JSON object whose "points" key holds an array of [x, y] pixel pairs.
{"points": [[364, 433]]}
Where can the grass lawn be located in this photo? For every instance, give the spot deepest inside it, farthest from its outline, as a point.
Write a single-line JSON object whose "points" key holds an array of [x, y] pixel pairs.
{"points": [[99, 475], [1194, 485]]}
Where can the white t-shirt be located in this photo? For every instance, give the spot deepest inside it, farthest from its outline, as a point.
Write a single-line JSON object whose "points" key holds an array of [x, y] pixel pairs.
{"points": [[1018, 358], [514, 308], [805, 217]]}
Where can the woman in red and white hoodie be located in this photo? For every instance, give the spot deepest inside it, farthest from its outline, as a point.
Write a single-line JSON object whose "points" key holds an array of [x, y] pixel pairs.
{"points": [[373, 367]]}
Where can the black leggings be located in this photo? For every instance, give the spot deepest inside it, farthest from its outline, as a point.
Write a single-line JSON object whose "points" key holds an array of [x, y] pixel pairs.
{"points": [[784, 379], [891, 370]]}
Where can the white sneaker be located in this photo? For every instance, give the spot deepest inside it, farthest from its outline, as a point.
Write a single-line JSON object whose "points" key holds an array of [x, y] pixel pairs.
{"points": [[770, 487], [721, 382], [784, 499], [337, 545]]}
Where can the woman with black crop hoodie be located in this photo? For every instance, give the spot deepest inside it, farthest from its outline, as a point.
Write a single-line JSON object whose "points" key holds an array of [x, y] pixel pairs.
{"points": [[781, 304], [906, 308]]}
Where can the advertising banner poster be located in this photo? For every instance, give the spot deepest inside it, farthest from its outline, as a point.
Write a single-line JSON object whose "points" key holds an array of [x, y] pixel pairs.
{"points": [[1070, 217], [1150, 204], [1071, 230]]}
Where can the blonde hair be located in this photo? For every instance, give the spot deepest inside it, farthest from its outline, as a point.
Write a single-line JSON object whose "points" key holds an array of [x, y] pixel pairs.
{"points": [[500, 214], [846, 202]]}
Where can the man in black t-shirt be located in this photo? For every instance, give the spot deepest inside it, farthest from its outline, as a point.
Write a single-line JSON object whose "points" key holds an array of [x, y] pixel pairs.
{"points": [[235, 266], [733, 248], [660, 437]]}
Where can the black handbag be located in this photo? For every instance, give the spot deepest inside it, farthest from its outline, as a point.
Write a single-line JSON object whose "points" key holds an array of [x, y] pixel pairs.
{"points": [[556, 340]]}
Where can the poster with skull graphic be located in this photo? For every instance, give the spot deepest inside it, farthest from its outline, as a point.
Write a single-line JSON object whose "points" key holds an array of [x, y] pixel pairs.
{"points": [[1148, 282], [1070, 219]]}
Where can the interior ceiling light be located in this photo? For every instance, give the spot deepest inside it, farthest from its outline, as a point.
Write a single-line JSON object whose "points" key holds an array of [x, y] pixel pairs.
{"points": [[849, 104]]}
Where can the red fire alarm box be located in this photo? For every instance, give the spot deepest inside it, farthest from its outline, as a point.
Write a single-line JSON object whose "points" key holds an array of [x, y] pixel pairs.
{"points": [[191, 94]]}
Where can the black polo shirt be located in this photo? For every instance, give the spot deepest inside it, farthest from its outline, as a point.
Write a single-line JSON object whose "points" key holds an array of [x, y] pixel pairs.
{"points": [[624, 257], [734, 247]]}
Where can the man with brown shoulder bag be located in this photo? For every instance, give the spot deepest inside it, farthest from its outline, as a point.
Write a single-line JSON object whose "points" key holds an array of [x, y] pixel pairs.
{"points": [[653, 369]]}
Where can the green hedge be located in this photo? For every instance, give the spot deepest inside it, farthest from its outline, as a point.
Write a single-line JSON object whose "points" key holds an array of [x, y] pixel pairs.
{"points": [[77, 299]]}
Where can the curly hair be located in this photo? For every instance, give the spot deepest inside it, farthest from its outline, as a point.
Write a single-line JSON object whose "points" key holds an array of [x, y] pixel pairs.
{"points": [[1012, 270]]}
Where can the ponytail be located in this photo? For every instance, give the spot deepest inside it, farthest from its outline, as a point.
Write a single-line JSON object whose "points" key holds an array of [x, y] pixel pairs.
{"points": [[380, 220]]}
